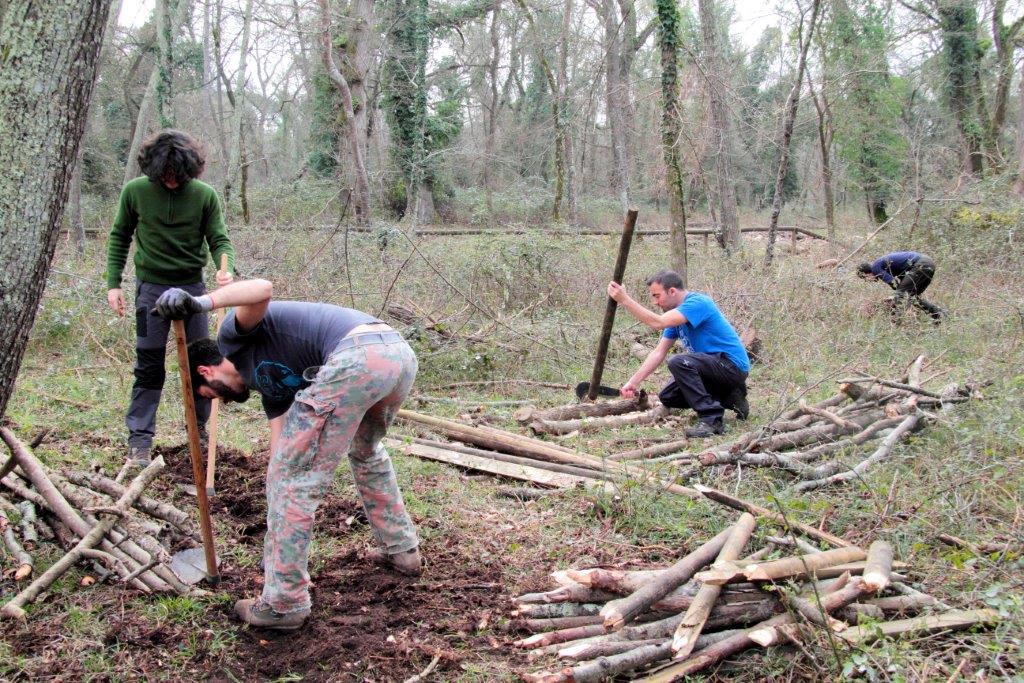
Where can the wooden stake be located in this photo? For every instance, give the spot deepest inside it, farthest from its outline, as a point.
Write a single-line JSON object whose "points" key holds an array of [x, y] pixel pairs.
{"points": [[685, 638], [947, 621], [878, 571], [609, 312], [211, 447], [618, 612], [195, 451]]}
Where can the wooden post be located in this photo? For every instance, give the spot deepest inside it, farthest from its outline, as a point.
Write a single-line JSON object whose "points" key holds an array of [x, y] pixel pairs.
{"points": [[211, 447], [609, 311], [195, 451]]}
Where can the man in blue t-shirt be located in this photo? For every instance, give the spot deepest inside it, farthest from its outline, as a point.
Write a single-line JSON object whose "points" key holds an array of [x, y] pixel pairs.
{"points": [[909, 273], [711, 375]]}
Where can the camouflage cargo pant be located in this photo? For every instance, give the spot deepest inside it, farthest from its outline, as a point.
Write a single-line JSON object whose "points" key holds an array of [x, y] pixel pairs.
{"points": [[349, 406]]}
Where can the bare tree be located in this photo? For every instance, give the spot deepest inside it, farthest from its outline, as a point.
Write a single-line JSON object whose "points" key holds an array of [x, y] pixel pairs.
{"points": [[786, 129], [236, 163], [717, 84], [671, 129], [352, 132], [148, 107], [492, 106], [826, 132], [45, 86]]}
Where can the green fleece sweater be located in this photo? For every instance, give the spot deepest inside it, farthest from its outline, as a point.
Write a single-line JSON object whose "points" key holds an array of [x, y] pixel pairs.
{"points": [[175, 231]]}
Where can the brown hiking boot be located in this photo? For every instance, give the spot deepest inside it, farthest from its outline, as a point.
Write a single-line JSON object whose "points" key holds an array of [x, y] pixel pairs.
{"points": [[255, 612], [409, 563]]}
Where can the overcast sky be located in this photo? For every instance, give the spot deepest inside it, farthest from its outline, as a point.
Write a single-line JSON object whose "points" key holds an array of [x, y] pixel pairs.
{"points": [[752, 16]]}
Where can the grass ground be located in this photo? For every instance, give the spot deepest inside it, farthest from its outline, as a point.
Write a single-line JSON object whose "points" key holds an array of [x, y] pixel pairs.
{"points": [[529, 307]]}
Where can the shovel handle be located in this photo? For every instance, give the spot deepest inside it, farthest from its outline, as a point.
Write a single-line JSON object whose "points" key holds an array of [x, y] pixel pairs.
{"points": [[195, 451], [211, 448]]}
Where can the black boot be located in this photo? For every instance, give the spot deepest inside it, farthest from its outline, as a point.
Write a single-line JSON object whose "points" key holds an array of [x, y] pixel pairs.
{"points": [[703, 430]]}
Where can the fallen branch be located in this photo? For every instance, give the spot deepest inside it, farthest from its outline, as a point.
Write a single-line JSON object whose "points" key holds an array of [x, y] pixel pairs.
{"points": [[857, 471], [878, 572], [154, 508], [576, 411], [801, 565], [651, 451], [21, 558]]}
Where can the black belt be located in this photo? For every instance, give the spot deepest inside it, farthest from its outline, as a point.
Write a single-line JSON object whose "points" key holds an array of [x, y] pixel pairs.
{"points": [[364, 338]]}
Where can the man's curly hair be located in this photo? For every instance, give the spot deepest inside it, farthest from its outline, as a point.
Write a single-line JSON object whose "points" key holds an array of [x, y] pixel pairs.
{"points": [[174, 154]]}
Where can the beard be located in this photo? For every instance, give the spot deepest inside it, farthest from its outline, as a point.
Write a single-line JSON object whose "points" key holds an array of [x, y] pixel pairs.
{"points": [[227, 394]]}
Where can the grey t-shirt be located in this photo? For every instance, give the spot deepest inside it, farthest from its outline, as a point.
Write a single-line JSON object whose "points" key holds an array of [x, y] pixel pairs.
{"points": [[293, 336]]}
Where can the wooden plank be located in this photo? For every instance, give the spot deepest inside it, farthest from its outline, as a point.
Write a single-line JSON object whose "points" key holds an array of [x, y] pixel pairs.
{"points": [[504, 469]]}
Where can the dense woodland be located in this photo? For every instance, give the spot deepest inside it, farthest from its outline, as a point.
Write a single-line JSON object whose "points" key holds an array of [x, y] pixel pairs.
{"points": [[489, 110]]}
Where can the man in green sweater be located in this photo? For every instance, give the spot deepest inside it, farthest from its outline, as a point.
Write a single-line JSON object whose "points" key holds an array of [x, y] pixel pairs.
{"points": [[176, 223]]}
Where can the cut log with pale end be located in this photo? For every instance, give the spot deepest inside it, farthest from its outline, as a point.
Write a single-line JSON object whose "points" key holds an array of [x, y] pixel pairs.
{"points": [[802, 565], [713, 654], [946, 621], [684, 640], [878, 571], [576, 411], [593, 424], [904, 603], [618, 612], [557, 609], [22, 558], [809, 608], [572, 592], [14, 608]]}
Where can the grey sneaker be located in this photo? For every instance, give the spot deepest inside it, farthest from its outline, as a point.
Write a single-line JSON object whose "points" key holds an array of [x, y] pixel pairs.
{"points": [[255, 612], [703, 430], [409, 563], [140, 455]]}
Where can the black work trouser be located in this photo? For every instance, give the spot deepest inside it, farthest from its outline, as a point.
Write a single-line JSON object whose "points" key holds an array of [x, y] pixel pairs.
{"points": [[705, 382], [151, 332], [912, 284]]}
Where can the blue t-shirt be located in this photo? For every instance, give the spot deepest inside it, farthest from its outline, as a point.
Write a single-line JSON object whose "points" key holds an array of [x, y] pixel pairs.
{"points": [[895, 265], [707, 331]]}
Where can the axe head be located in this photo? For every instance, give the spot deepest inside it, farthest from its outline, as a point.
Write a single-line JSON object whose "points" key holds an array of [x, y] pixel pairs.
{"points": [[583, 388]]}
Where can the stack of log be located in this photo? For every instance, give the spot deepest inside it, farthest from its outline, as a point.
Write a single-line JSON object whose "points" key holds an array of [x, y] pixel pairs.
{"points": [[92, 518], [580, 418], [838, 439], [673, 622]]}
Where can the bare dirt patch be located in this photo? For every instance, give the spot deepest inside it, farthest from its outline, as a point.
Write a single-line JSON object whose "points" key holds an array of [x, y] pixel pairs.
{"points": [[368, 623]]}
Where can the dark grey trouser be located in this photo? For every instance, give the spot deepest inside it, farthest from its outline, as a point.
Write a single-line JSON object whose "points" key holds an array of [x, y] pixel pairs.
{"points": [[151, 333], [704, 382], [912, 284]]}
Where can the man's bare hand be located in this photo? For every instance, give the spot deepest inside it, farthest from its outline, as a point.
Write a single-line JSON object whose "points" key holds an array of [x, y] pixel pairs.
{"points": [[628, 390], [224, 277], [616, 291], [115, 297]]}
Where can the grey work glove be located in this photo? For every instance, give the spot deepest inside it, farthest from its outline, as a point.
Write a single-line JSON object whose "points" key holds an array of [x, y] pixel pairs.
{"points": [[177, 304]]}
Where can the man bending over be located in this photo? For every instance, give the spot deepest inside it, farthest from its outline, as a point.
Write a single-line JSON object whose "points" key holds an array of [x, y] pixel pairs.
{"points": [[332, 380]]}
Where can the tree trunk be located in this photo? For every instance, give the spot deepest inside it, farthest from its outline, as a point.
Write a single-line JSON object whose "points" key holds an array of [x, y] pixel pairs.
{"points": [[47, 72], [563, 108], [148, 107], [616, 94], [492, 107], [668, 41], [959, 24], [1018, 185], [212, 79], [352, 131], [826, 131], [166, 28], [786, 132], [235, 163], [717, 85]]}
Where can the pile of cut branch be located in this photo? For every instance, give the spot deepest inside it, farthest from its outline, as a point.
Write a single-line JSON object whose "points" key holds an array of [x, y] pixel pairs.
{"points": [[92, 518], [867, 417], [673, 622]]}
